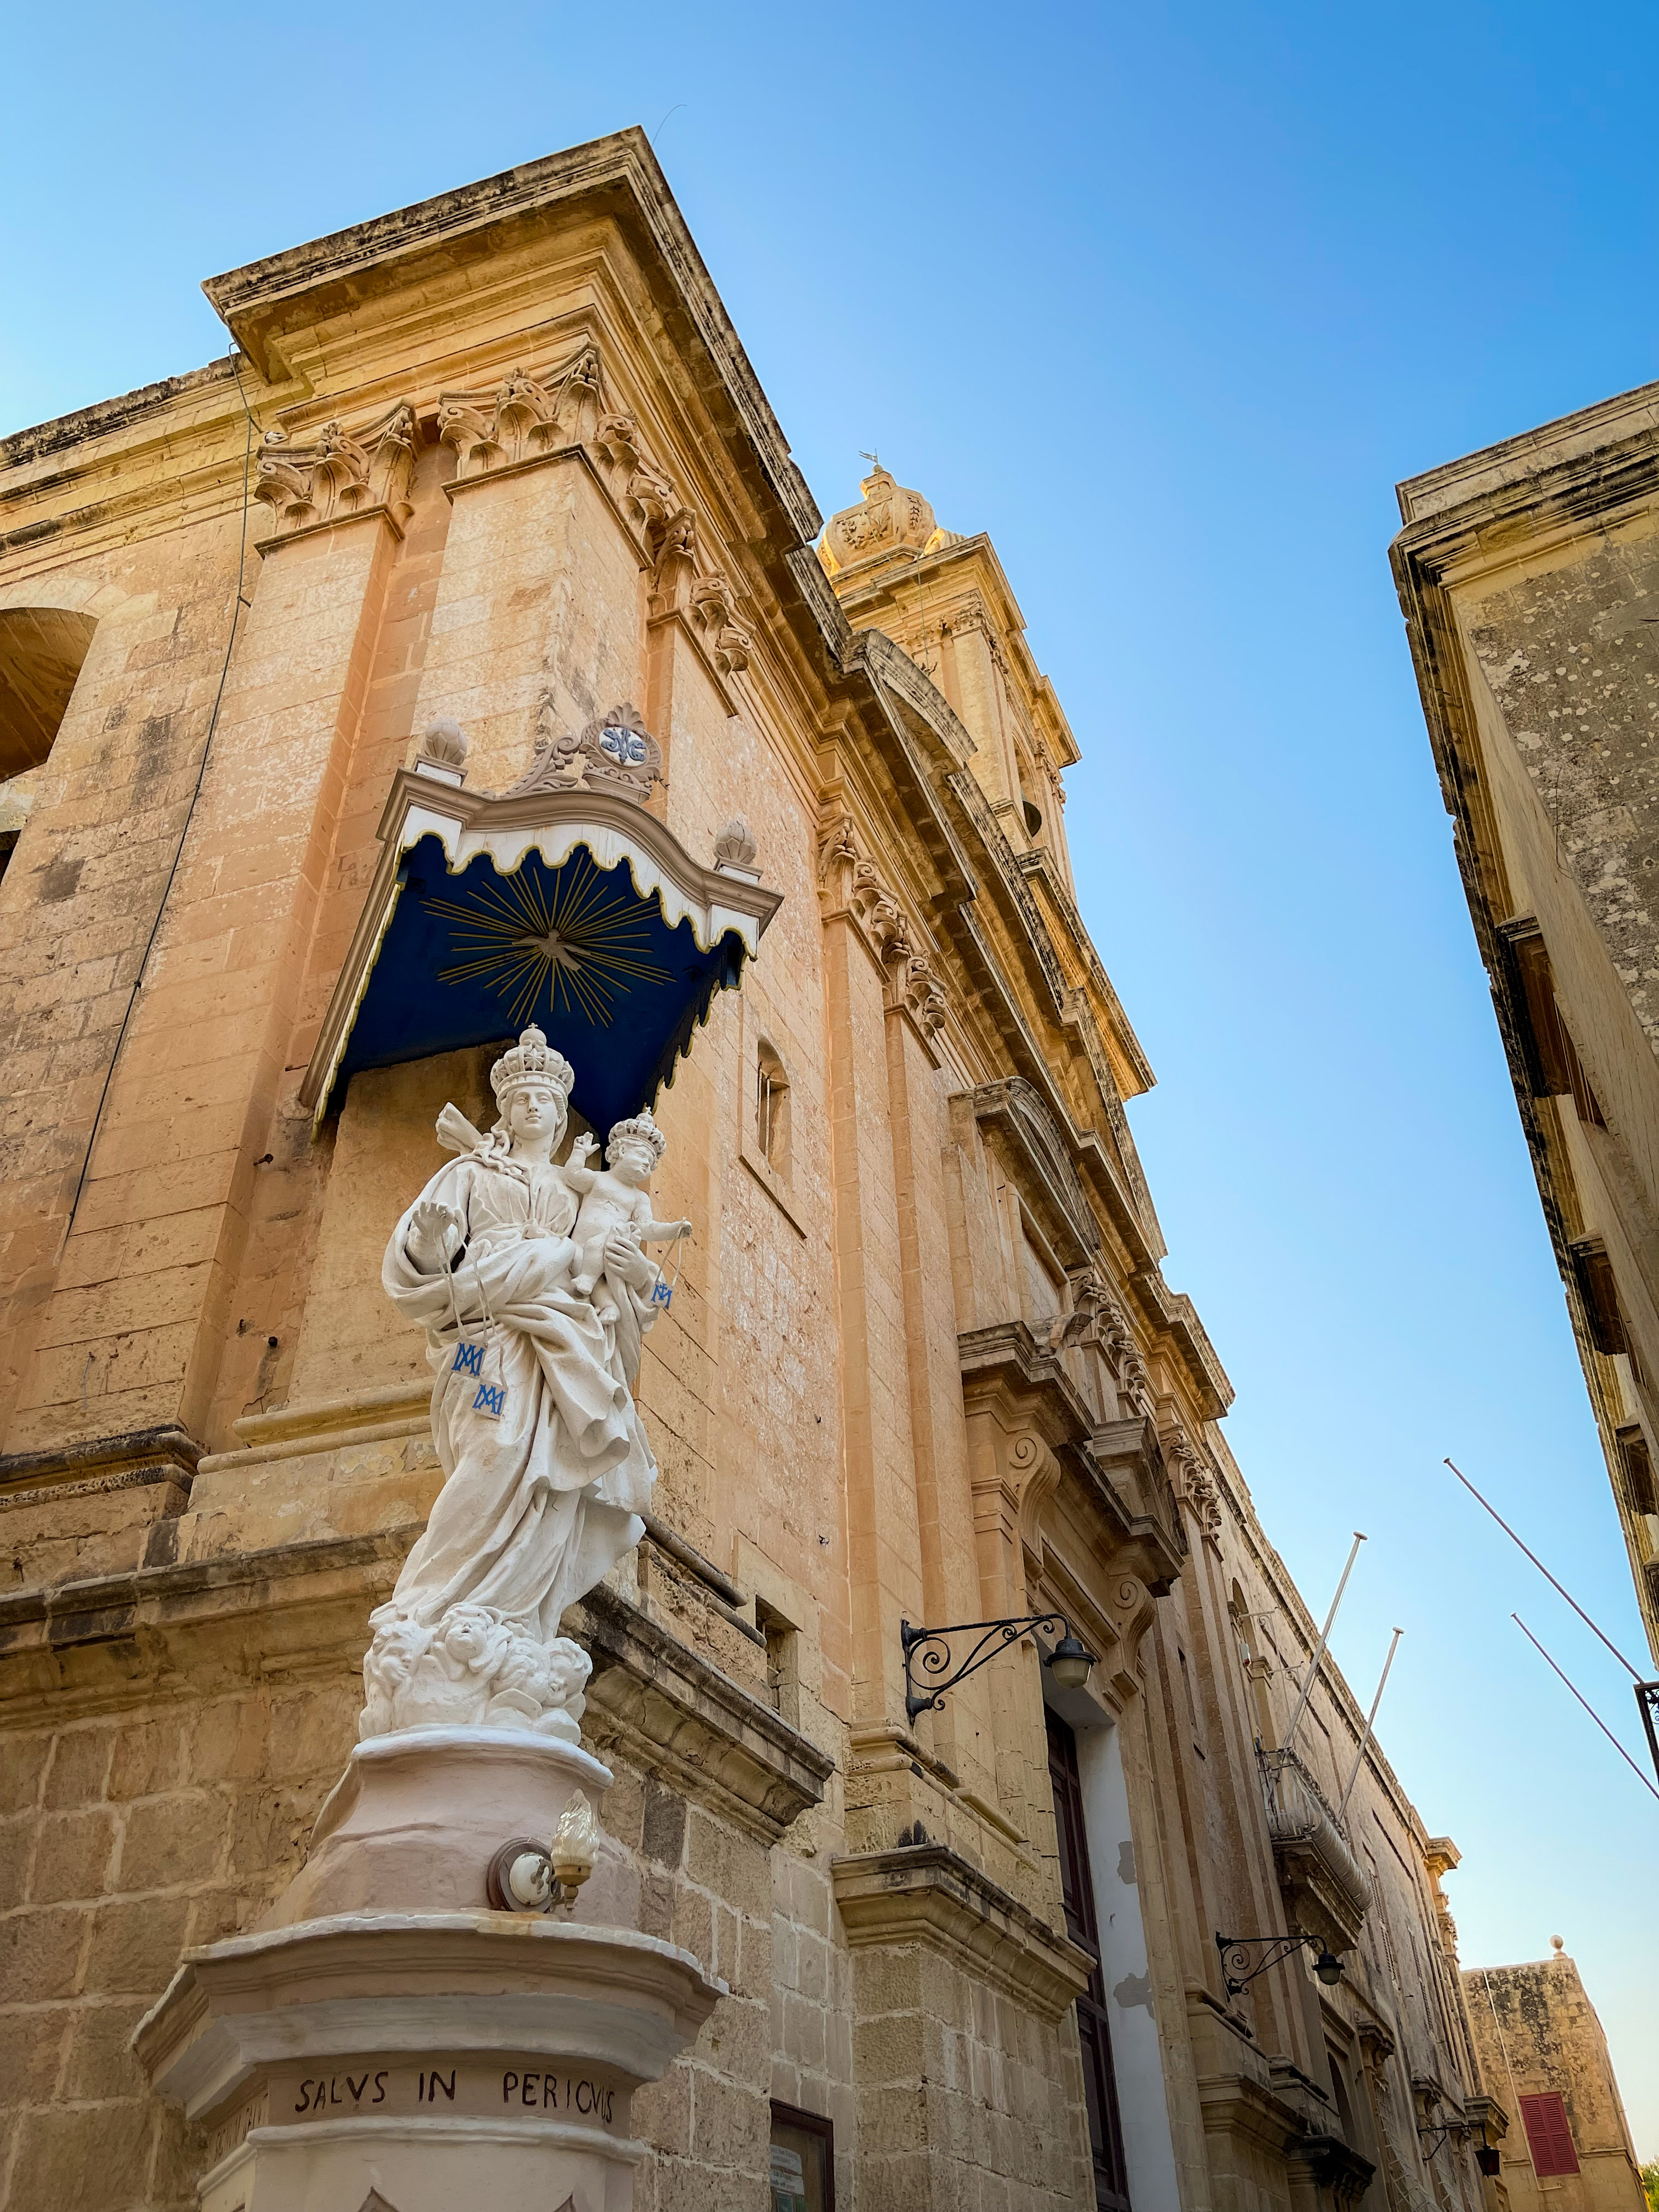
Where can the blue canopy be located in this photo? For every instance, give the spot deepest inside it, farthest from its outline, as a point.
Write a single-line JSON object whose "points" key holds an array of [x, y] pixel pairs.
{"points": [[471, 957]]}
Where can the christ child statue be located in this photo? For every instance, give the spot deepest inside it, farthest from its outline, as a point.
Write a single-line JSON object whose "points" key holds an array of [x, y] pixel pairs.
{"points": [[616, 1197]]}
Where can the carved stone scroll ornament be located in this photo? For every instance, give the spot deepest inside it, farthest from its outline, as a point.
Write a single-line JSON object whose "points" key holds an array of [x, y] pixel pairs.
{"points": [[524, 418], [615, 751], [1195, 1478], [712, 610], [1117, 1339], [848, 883], [339, 474], [546, 1465], [918, 990]]}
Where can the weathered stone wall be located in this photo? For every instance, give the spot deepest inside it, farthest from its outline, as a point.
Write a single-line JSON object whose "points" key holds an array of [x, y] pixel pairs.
{"points": [[1537, 2032], [1527, 574]]}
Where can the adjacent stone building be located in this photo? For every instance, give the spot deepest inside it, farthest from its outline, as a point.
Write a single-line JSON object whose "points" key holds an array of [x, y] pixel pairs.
{"points": [[488, 514], [1536, 2034], [1528, 575]]}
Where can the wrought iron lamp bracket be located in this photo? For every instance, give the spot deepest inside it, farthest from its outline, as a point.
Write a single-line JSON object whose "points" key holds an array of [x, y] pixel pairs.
{"points": [[1444, 2130], [929, 1650], [1236, 1971]]}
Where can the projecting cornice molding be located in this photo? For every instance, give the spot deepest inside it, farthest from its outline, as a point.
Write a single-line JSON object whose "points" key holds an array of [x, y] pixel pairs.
{"points": [[931, 1895], [1035, 1150], [268, 304]]}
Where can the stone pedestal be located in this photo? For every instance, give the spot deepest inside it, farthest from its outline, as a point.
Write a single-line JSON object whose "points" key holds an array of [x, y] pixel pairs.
{"points": [[440, 2059], [417, 1817], [385, 2042]]}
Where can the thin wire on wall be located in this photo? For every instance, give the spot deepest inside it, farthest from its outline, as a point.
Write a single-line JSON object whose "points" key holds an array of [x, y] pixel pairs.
{"points": [[195, 793]]}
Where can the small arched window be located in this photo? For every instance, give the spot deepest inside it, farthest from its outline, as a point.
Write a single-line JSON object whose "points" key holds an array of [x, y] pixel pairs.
{"points": [[41, 650], [772, 1111]]}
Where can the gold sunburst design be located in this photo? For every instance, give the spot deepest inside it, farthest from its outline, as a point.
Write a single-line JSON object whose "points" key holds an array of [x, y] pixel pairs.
{"points": [[585, 946]]}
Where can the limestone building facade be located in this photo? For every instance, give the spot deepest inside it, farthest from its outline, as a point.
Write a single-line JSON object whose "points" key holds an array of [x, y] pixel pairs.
{"points": [[1536, 2032], [488, 507], [1527, 573]]}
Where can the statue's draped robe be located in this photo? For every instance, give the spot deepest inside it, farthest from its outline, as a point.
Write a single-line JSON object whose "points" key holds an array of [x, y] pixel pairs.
{"points": [[537, 1506]]}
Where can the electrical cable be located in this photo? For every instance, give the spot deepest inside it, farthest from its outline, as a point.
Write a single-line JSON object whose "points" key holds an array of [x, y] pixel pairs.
{"points": [[189, 812]]}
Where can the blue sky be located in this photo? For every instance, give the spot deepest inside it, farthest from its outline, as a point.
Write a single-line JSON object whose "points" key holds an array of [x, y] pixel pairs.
{"points": [[1167, 301]]}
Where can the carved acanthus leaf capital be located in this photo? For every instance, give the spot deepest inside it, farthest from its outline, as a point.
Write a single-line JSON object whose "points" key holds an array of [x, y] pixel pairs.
{"points": [[916, 988], [1195, 1483], [340, 473]]}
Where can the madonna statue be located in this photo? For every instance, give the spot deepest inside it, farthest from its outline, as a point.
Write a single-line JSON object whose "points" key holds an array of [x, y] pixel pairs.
{"points": [[546, 1466]]}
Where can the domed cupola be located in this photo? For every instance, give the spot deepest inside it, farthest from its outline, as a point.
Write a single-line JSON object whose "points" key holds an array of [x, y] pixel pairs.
{"points": [[888, 521]]}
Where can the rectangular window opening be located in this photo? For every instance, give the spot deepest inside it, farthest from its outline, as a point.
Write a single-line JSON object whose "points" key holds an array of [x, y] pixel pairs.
{"points": [[803, 2170]]}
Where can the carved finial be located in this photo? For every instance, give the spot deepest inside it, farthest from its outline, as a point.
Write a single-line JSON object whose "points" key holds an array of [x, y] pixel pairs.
{"points": [[735, 847], [442, 749], [1558, 1944]]}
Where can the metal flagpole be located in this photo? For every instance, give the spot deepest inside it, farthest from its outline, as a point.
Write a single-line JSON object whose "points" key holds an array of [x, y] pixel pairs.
{"points": [[1371, 1718], [1588, 1708], [1324, 1638]]}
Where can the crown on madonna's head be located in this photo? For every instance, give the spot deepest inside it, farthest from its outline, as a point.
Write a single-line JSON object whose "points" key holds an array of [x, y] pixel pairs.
{"points": [[533, 1060], [640, 1126]]}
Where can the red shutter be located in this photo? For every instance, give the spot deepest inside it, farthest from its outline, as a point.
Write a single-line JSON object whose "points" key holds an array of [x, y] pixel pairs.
{"points": [[1548, 2135]]}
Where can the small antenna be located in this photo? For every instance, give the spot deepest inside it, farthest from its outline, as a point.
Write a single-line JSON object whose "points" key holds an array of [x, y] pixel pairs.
{"points": [[874, 460]]}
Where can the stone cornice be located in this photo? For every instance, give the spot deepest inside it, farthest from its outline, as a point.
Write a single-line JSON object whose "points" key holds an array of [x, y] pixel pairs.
{"points": [[1014, 1116], [261, 302], [1004, 1365], [696, 1726], [115, 1641], [1040, 863], [1568, 455], [169, 1453], [929, 1894]]}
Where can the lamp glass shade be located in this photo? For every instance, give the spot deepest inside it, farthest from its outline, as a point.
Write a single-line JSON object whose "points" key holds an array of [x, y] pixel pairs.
{"points": [[1070, 1661], [1328, 1967]]}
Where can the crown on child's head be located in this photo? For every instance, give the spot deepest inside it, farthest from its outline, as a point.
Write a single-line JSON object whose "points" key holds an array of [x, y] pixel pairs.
{"points": [[533, 1060], [640, 1126]]}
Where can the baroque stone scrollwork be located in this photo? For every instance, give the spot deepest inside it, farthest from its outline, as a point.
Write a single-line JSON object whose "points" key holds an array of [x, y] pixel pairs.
{"points": [[615, 751], [890, 518], [536, 415], [922, 994], [712, 610], [1197, 1483], [524, 418], [848, 883], [340, 474]]}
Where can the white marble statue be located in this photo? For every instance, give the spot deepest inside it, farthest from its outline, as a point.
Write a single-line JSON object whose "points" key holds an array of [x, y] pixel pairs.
{"points": [[546, 1462], [617, 1196]]}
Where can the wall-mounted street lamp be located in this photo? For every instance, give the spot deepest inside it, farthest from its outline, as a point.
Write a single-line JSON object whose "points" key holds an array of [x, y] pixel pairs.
{"points": [[1238, 1973], [929, 1649], [1470, 2127]]}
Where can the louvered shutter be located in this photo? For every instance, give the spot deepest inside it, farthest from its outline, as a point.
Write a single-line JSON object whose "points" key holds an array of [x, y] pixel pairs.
{"points": [[1549, 2136]]}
